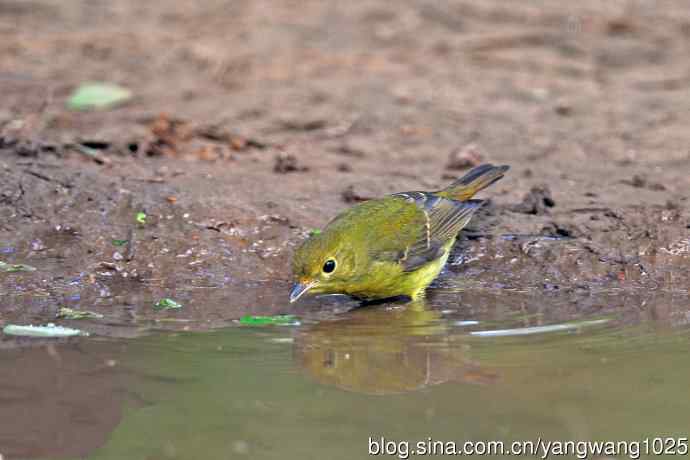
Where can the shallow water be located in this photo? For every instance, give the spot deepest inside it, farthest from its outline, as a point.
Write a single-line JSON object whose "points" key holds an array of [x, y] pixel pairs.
{"points": [[460, 366]]}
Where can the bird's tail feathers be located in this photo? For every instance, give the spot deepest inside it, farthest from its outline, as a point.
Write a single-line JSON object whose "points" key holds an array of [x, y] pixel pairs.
{"points": [[477, 179]]}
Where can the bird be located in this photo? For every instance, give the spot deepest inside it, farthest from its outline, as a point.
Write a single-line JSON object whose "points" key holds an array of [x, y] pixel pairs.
{"points": [[393, 246]]}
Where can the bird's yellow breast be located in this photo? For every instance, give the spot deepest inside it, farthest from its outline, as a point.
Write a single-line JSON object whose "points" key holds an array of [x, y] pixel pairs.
{"points": [[388, 279]]}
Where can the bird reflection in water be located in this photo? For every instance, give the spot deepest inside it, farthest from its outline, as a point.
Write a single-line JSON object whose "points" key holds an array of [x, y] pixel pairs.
{"points": [[385, 350]]}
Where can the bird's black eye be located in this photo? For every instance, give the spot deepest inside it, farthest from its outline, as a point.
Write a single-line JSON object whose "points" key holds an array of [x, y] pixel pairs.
{"points": [[329, 266]]}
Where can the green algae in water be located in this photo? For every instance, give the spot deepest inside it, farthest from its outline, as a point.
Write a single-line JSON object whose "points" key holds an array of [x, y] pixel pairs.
{"points": [[278, 320]]}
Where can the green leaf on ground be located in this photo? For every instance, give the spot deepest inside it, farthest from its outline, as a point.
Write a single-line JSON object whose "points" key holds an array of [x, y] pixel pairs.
{"points": [[279, 320], [69, 313], [141, 217], [11, 268], [167, 304], [49, 331], [314, 231], [120, 242], [97, 96]]}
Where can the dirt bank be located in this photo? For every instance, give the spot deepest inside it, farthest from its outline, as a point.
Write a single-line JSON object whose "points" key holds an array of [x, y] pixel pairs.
{"points": [[253, 122]]}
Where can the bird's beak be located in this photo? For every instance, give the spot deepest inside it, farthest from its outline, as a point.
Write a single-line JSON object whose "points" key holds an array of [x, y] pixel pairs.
{"points": [[298, 289]]}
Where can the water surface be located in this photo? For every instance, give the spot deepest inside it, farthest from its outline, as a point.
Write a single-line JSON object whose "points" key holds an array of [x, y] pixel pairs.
{"points": [[460, 366]]}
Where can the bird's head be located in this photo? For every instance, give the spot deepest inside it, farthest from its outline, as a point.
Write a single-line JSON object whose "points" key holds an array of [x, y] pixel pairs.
{"points": [[323, 264]]}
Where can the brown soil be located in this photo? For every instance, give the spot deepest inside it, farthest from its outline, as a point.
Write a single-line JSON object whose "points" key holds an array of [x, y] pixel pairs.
{"points": [[255, 121]]}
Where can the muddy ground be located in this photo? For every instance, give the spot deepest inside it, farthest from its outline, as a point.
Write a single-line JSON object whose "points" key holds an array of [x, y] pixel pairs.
{"points": [[253, 122]]}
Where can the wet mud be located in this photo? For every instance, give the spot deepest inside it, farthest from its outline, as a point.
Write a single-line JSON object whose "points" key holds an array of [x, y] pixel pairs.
{"points": [[245, 134]]}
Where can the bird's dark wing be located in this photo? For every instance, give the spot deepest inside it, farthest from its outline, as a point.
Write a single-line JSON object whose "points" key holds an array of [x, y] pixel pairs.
{"points": [[443, 220]]}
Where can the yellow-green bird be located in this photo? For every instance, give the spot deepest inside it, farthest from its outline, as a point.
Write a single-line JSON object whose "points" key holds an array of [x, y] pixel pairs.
{"points": [[392, 246]]}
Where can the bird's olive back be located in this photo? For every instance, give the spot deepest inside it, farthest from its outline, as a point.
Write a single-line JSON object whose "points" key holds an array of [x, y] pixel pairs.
{"points": [[355, 237]]}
